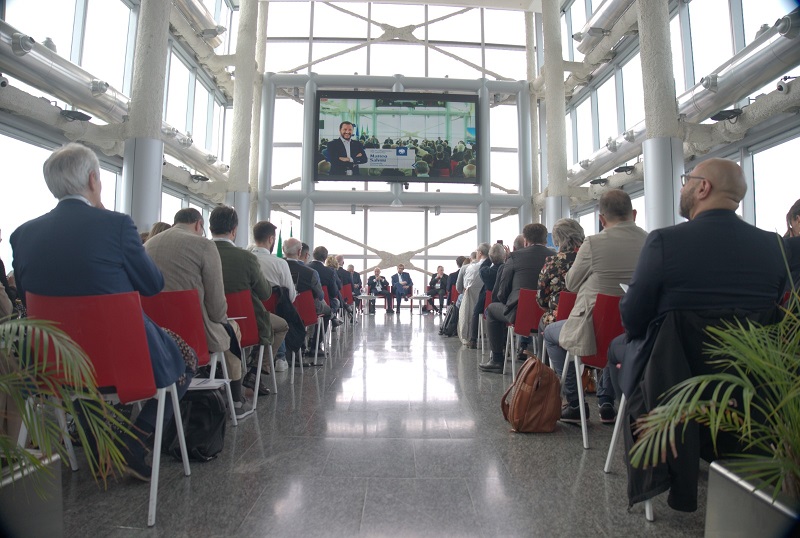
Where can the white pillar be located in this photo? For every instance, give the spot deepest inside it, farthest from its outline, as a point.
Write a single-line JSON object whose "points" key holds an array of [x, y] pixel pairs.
{"points": [[310, 128], [265, 152], [255, 125], [530, 117], [663, 147], [484, 155]]}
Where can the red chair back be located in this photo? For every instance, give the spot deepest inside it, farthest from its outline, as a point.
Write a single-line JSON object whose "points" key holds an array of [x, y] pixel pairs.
{"points": [[271, 304], [453, 294], [347, 293], [240, 305], [181, 313], [306, 309], [327, 297], [110, 329], [607, 326], [487, 301], [529, 313], [566, 301]]}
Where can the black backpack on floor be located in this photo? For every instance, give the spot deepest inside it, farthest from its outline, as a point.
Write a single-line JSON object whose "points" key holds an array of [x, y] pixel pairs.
{"points": [[204, 414], [450, 323]]}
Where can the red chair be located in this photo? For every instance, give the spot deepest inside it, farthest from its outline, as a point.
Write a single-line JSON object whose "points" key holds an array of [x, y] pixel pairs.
{"points": [[271, 304], [347, 293], [240, 307], [110, 329], [566, 302], [307, 310], [607, 326], [453, 295], [529, 314], [482, 317], [181, 313]]}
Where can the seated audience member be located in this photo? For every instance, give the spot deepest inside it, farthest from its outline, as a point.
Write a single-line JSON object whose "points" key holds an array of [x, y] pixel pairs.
{"points": [[488, 277], [324, 168], [346, 278], [79, 248], [276, 271], [793, 230], [603, 262], [331, 263], [378, 285], [306, 279], [305, 252], [452, 278], [568, 237], [461, 274], [190, 261], [402, 285], [356, 278], [143, 236], [241, 271], [470, 171], [437, 287], [521, 270], [713, 267], [157, 228], [422, 169], [327, 277], [473, 285]]}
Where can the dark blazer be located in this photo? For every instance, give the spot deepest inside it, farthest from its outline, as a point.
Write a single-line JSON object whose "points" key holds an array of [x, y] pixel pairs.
{"points": [[357, 284], [372, 282], [344, 276], [521, 270], [77, 249], [305, 279], [397, 288], [327, 277], [336, 150]]}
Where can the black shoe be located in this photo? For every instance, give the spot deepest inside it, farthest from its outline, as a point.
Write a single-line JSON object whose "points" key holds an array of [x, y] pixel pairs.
{"points": [[607, 413], [249, 381], [491, 366], [472, 344], [390, 311], [135, 465], [572, 415], [336, 322]]}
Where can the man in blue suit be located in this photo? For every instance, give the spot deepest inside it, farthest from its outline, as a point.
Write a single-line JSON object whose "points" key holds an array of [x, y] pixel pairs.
{"points": [[402, 286], [344, 153], [80, 248]]}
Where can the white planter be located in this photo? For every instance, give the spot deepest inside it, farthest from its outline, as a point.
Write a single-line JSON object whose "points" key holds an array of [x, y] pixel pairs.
{"points": [[735, 508], [24, 513]]}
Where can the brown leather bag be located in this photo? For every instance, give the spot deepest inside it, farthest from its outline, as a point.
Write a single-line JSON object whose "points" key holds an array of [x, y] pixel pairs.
{"points": [[532, 403]]}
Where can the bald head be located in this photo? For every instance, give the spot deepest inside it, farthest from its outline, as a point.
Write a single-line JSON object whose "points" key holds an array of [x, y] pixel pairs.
{"points": [[291, 248], [713, 184]]}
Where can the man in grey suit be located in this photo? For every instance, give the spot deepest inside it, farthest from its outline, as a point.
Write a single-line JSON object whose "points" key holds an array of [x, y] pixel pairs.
{"points": [[521, 271], [604, 261]]}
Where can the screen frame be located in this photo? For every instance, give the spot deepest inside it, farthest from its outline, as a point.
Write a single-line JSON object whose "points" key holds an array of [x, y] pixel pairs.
{"points": [[472, 98]]}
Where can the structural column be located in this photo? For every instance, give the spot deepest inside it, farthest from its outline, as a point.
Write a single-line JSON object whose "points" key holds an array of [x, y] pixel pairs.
{"points": [[255, 129], [663, 146], [307, 176], [557, 204], [245, 65], [529, 129], [484, 145], [267, 132], [143, 159]]}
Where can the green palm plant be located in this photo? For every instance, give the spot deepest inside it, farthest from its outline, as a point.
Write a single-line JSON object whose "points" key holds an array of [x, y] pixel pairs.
{"points": [[42, 361], [760, 366]]}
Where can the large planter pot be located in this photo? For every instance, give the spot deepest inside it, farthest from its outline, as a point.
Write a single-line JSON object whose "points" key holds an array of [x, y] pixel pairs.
{"points": [[23, 512], [736, 508]]}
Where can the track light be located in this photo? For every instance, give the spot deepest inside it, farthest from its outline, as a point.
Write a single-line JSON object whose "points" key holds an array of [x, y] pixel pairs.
{"points": [[727, 114], [73, 115], [626, 169]]}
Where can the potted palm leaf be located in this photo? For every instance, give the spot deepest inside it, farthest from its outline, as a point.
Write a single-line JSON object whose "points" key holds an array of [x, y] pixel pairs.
{"points": [[761, 366], [40, 361]]}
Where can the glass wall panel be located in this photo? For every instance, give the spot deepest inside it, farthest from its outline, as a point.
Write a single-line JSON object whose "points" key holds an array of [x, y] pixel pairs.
{"points": [[570, 155], [344, 223], [607, 110], [341, 64], [507, 63], [288, 121], [503, 127], [398, 16], [505, 230], [106, 40], [578, 14], [588, 222], [286, 57], [227, 136], [287, 164], [585, 131], [774, 192], [566, 38], [288, 19], [464, 27], [441, 65], [108, 194], [200, 117], [500, 26], [757, 12], [638, 206], [170, 205], [177, 94], [391, 59], [677, 55], [233, 32], [633, 93], [710, 48], [332, 22], [217, 129], [42, 19], [448, 224], [504, 170]]}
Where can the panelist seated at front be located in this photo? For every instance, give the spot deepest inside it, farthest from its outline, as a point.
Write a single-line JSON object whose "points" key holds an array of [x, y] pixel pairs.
{"points": [[344, 153], [378, 285], [402, 286]]}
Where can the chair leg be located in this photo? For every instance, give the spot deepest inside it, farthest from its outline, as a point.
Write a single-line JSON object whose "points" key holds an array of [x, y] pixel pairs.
{"points": [[22, 437], [294, 355], [545, 359], [615, 435], [62, 422], [509, 332], [151, 509], [258, 374], [220, 357], [173, 391], [513, 360], [316, 342], [480, 331], [272, 370], [648, 510], [581, 400]]}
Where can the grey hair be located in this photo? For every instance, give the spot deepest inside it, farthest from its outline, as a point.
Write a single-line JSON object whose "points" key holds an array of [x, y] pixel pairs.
{"points": [[292, 246], [67, 170], [497, 253], [519, 242], [483, 248], [567, 234]]}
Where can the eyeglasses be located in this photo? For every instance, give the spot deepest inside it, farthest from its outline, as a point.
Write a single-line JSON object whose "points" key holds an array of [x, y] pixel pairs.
{"points": [[686, 177]]}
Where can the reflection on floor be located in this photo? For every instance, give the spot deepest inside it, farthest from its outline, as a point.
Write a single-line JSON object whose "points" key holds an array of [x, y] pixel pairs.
{"points": [[401, 436]]}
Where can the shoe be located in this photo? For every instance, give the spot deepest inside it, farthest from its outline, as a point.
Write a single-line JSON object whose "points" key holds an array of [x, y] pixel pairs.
{"points": [[242, 407], [249, 381], [522, 356], [135, 465], [390, 311], [572, 415], [491, 366], [336, 322], [472, 344], [281, 365], [607, 413]]}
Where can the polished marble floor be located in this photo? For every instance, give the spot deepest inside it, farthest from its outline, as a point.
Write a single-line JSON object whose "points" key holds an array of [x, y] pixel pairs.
{"points": [[400, 435]]}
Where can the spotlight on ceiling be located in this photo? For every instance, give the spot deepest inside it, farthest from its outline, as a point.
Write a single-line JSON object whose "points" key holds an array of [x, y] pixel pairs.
{"points": [[627, 169], [727, 114], [73, 115]]}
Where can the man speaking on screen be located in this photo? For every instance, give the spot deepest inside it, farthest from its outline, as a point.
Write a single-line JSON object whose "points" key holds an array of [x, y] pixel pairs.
{"points": [[344, 153]]}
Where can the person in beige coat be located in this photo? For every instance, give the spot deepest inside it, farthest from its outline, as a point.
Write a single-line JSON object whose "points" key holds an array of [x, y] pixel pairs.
{"points": [[604, 261]]}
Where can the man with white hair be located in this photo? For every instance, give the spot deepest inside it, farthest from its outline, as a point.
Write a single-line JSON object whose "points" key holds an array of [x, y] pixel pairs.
{"points": [[79, 248]]}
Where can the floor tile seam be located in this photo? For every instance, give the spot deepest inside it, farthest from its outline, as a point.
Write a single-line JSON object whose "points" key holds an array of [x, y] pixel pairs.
{"points": [[364, 506]]}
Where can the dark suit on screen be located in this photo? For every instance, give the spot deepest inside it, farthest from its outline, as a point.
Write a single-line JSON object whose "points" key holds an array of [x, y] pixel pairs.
{"points": [[336, 149]]}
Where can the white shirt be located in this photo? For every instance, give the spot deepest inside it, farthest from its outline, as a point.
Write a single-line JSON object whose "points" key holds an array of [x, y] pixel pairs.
{"points": [[471, 273], [346, 144], [275, 270]]}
